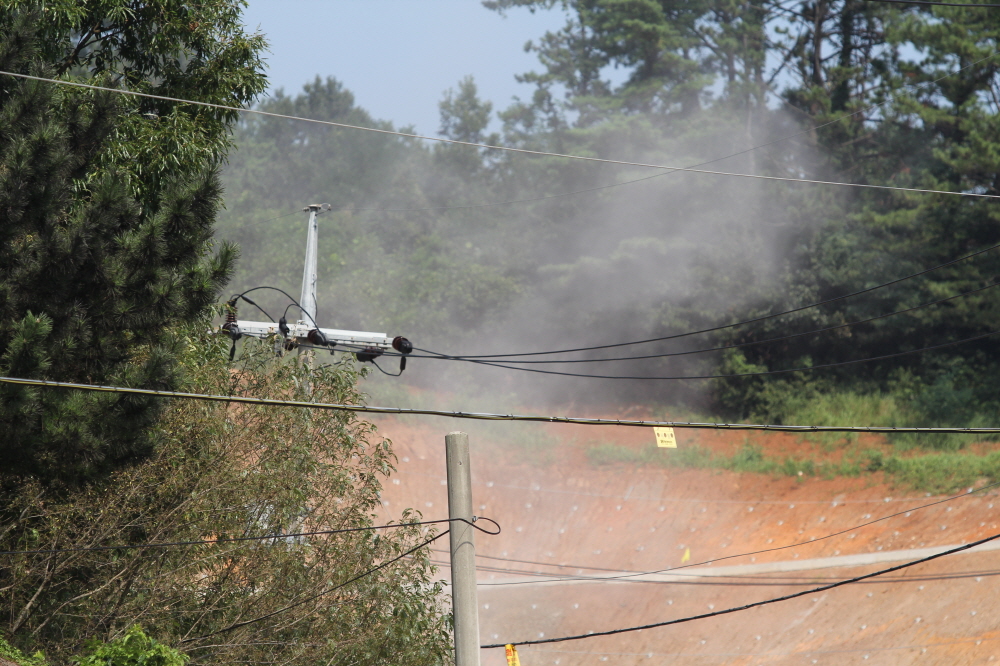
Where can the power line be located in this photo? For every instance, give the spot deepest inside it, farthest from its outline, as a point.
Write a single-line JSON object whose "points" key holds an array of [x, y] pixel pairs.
{"points": [[756, 604], [762, 373], [435, 355], [741, 581], [667, 173], [739, 323], [740, 374], [927, 2], [686, 500], [319, 594], [485, 416], [212, 542], [923, 646], [523, 151], [763, 551]]}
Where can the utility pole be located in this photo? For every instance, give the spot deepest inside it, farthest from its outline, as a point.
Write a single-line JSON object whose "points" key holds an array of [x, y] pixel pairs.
{"points": [[308, 298], [366, 346], [465, 604]]}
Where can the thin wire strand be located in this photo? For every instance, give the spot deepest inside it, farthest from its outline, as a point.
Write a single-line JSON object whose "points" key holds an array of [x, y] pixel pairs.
{"points": [[692, 166], [487, 416], [927, 2], [212, 542], [328, 590], [747, 581], [739, 323], [764, 654], [756, 604], [759, 552], [724, 347], [523, 151], [740, 374]]}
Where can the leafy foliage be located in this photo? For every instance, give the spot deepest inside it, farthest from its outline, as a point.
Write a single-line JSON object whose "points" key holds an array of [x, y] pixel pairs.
{"points": [[232, 471], [134, 648], [90, 276]]}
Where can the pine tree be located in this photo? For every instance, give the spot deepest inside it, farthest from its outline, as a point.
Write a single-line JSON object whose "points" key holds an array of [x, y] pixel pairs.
{"points": [[90, 279]]}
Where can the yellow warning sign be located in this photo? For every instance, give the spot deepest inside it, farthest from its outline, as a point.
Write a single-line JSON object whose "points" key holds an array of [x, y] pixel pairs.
{"points": [[512, 659], [665, 438], [687, 556]]}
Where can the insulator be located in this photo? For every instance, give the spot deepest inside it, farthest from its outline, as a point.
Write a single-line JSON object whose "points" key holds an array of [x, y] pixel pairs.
{"points": [[231, 327], [402, 345]]}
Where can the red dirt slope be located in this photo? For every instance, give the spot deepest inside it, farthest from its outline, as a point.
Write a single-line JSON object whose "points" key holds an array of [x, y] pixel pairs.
{"points": [[558, 509]]}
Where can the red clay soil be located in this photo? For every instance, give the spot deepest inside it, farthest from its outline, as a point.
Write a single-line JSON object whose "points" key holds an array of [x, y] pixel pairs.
{"points": [[556, 508]]}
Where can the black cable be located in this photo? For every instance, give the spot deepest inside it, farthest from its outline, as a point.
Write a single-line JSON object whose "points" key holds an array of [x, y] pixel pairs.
{"points": [[926, 2], [203, 542], [742, 374], [740, 323], [390, 374], [724, 347], [258, 307], [287, 295], [487, 416], [770, 550], [319, 594], [756, 604]]}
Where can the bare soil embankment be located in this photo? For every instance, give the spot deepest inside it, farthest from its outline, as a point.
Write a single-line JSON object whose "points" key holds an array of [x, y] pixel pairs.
{"points": [[556, 508]]}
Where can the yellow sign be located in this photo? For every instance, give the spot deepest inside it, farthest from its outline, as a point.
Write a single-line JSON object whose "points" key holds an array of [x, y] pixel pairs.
{"points": [[665, 438], [512, 659], [687, 556]]}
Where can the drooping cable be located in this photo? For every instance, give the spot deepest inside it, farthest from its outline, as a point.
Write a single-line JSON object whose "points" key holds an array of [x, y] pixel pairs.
{"points": [[739, 345], [765, 550], [943, 4], [756, 604], [692, 166], [735, 580], [266, 537], [740, 374], [739, 323], [487, 416], [523, 151], [313, 597]]}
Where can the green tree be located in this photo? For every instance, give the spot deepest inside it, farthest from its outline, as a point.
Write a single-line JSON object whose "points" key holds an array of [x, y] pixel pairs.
{"points": [[229, 472], [97, 259]]}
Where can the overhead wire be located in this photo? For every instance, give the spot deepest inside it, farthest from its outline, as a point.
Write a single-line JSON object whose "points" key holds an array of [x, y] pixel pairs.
{"points": [[523, 151], [665, 173], [687, 500], [486, 416], [267, 537], [761, 373], [739, 323], [313, 597], [747, 581], [756, 604], [922, 646], [765, 550], [738, 345], [942, 4]]}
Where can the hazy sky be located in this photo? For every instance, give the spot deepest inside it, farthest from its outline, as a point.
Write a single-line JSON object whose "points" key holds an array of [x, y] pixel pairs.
{"points": [[399, 56]]}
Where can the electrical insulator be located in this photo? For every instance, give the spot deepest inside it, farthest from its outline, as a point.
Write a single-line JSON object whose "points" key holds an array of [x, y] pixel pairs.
{"points": [[316, 337], [231, 327], [402, 345]]}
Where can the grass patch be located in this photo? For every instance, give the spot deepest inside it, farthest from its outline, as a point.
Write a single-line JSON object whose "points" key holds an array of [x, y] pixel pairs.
{"points": [[748, 458], [938, 472]]}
